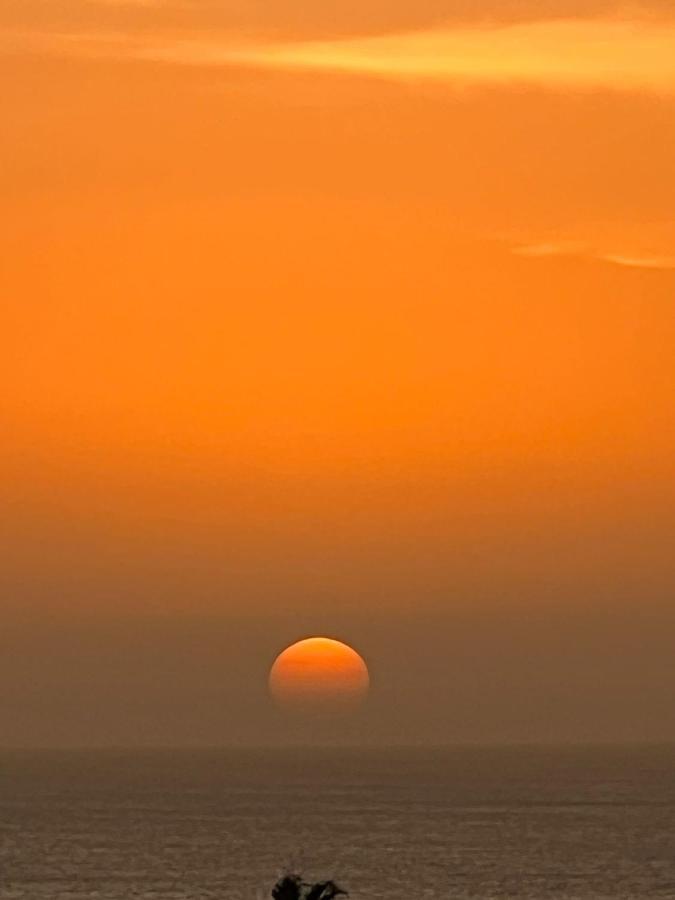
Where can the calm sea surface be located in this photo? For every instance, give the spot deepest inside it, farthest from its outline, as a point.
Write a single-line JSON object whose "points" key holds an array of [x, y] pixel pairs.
{"points": [[520, 823]]}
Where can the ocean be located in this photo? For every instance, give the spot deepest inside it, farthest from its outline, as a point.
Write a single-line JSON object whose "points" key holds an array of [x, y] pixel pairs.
{"points": [[519, 822]]}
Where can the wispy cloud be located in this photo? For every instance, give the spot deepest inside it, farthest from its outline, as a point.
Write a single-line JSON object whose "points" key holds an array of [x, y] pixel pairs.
{"points": [[607, 54], [636, 260], [640, 262], [537, 251]]}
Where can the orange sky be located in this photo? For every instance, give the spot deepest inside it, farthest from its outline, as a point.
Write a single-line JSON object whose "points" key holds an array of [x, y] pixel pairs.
{"points": [[356, 306], [226, 274]]}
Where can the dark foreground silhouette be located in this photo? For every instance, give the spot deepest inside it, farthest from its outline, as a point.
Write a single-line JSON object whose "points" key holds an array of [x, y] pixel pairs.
{"points": [[292, 887]]}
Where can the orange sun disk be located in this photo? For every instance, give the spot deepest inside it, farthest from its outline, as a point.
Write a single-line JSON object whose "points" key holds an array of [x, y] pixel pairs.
{"points": [[319, 671]]}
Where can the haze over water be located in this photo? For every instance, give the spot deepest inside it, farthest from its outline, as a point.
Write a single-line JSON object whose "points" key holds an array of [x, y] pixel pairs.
{"points": [[574, 823]]}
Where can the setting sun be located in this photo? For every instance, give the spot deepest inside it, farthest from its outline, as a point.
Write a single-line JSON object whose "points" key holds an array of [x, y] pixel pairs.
{"points": [[319, 670]]}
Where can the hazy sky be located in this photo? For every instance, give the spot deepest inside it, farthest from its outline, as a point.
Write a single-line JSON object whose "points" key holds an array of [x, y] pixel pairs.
{"points": [[353, 318]]}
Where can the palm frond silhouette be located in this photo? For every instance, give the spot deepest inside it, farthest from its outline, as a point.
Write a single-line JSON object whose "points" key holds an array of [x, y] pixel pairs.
{"points": [[292, 887]]}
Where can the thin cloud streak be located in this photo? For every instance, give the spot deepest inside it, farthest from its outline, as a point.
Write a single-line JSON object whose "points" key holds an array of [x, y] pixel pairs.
{"points": [[580, 251], [586, 54], [541, 251], [593, 54], [640, 262]]}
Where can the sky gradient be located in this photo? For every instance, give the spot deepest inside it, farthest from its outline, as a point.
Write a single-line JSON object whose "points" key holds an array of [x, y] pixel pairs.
{"points": [[346, 318]]}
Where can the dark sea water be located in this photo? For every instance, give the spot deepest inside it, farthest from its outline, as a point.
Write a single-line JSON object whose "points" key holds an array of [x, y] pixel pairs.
{"points": [[485, 823]]}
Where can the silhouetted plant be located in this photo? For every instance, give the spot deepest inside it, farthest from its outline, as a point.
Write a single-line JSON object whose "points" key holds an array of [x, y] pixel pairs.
{"points": [[292, 887], [288, 888], [324, 890]]}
